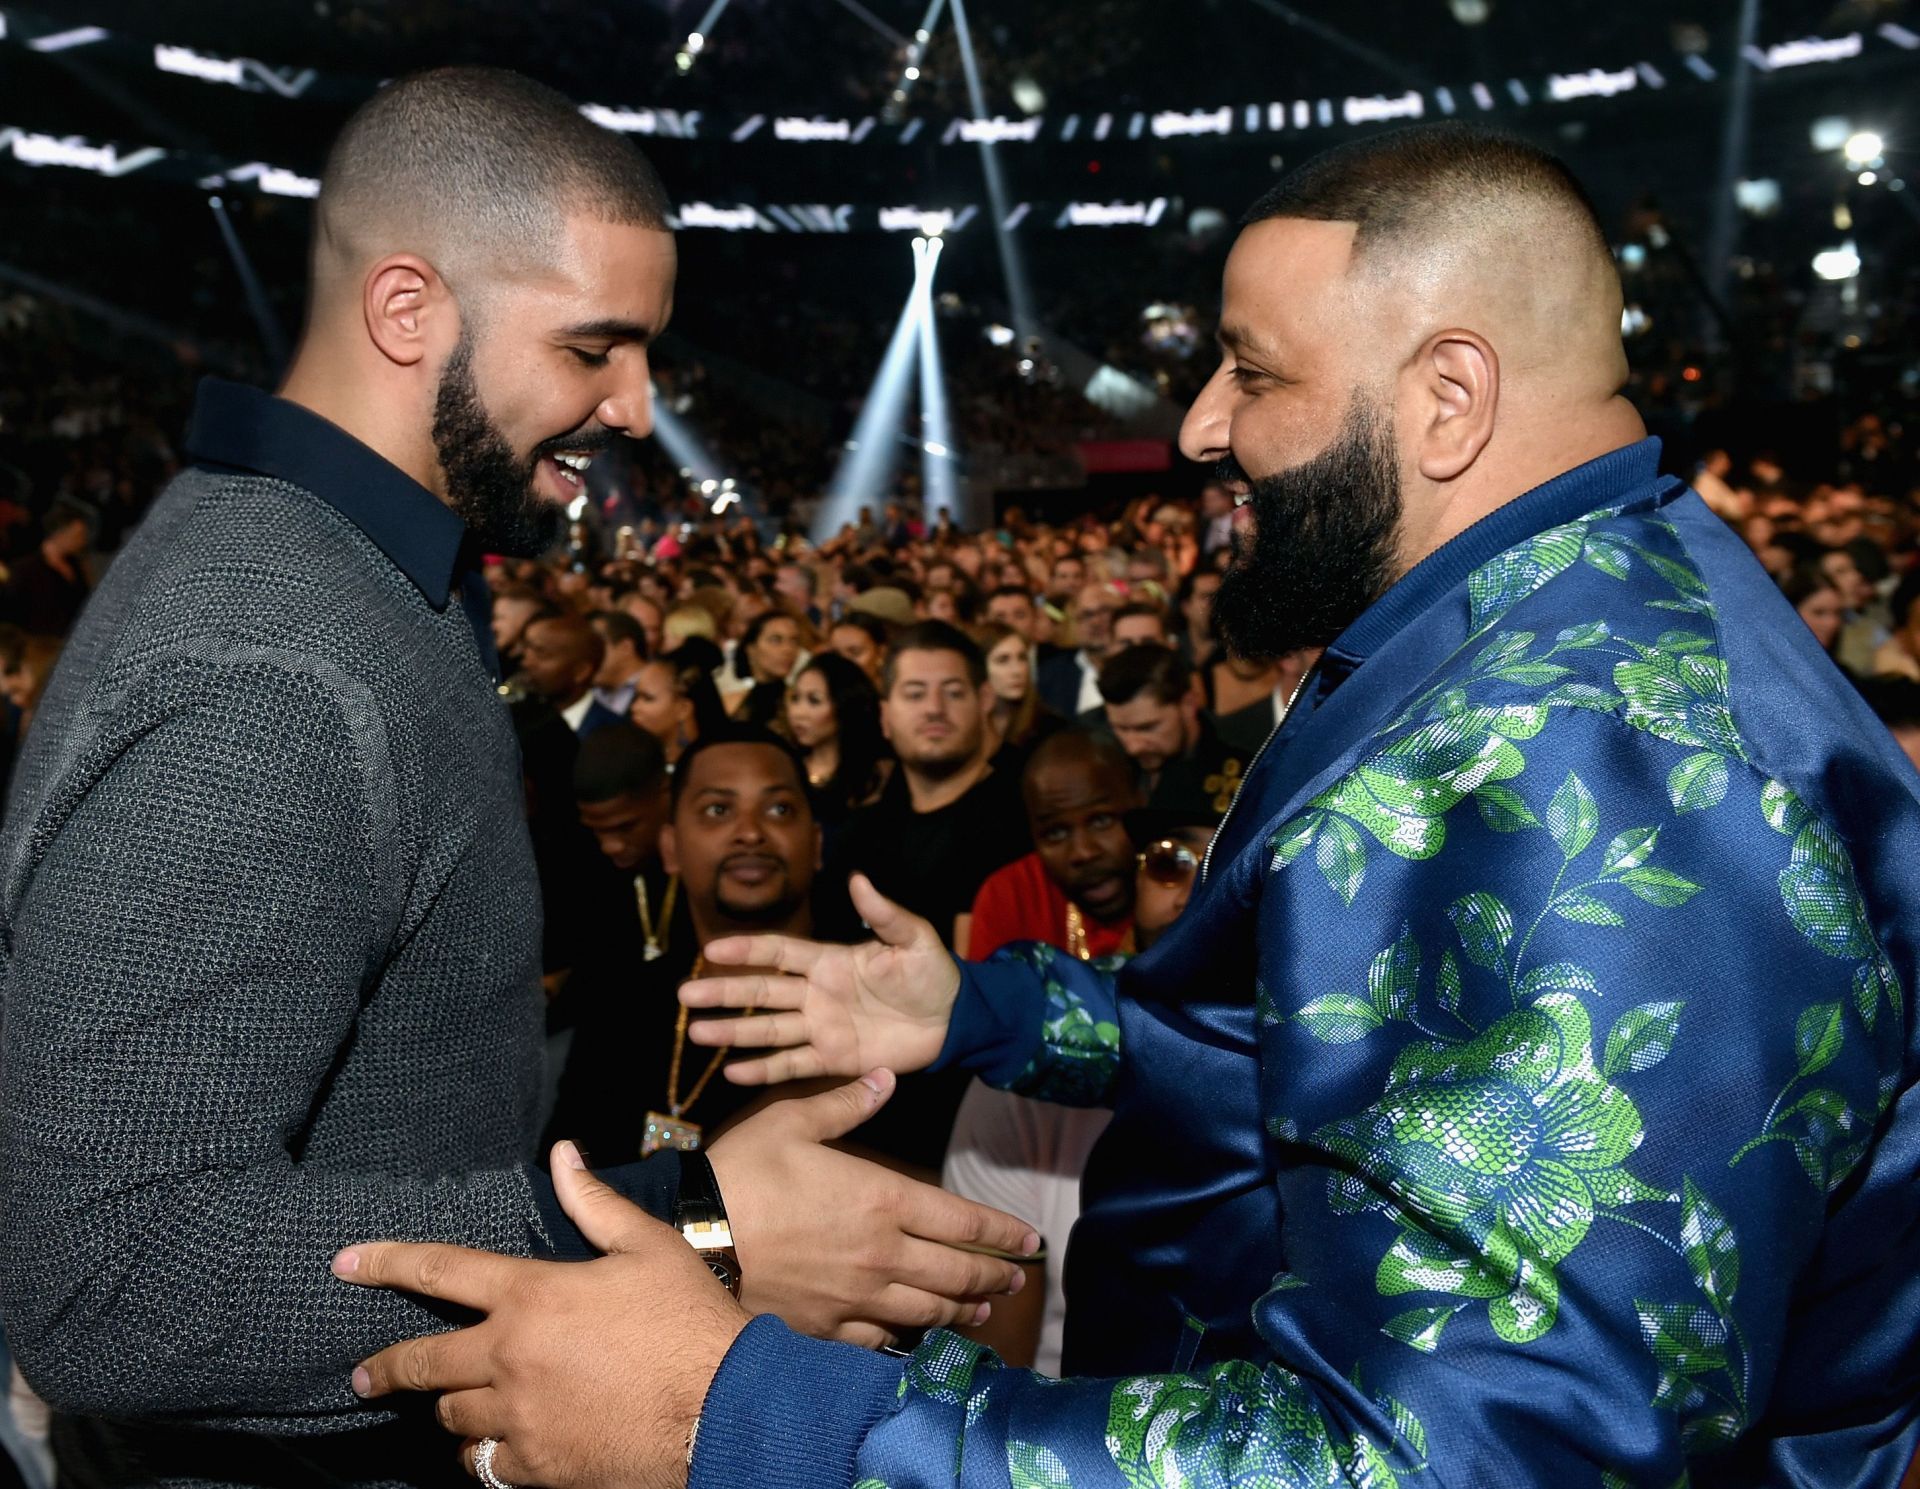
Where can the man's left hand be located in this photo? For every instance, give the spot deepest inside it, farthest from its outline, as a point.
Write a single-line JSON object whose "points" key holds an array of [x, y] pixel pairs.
{"points": [[587, 1373]]}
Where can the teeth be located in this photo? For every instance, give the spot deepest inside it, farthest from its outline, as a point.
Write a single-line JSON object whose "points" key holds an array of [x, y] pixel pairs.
{"points": [[574, 462]]}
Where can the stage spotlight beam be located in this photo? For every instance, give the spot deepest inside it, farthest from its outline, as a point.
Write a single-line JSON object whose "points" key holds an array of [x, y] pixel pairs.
{"points": [[1723, 236], [866, 465], [937, 456], [271, 334], [679, 441], [1019, 295]]}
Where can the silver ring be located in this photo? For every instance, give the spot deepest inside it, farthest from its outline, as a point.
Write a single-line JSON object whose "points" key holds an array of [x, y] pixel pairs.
{"points": [[483, 1464]]}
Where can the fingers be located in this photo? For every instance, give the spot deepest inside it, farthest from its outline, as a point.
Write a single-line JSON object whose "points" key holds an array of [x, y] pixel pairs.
{"points": [[892, 923], [935, 1215], [458, 1361], [608, 1219], [507, 1466], [788, 953], [756, 991], [866, 1335], [762, 1031], [770, 1070], [905, 1307], [474, 1279], [835, 1113], [472, 1414], [930, 1267]]}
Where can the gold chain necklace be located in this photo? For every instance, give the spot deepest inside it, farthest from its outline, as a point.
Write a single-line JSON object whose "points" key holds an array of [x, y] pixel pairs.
{"points": [[667, 1129], [656, 943]]}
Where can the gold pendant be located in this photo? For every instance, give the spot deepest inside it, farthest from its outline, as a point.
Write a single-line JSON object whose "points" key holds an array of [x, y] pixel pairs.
{"points": [[664, 1131]]}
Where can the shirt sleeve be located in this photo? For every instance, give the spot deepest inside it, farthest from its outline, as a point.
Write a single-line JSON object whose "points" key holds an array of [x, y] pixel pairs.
{"points": [[164, 1248], [1036, 1021]]}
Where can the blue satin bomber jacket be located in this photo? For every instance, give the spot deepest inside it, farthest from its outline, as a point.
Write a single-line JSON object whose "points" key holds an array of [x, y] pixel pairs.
{"points": [[1525, 1097]]}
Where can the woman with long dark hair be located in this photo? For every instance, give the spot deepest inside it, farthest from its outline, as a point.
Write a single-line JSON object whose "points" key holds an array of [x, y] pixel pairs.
{"points": [[676, 702], [764, 660], [833, 715]]}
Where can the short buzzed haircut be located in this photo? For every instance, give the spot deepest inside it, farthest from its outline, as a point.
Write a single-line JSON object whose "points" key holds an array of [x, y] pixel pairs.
{"points": [[1080, 747], [934, 635], [616, 760], [737, 733], [1405, 183], [1158, 672], [475, 166]]}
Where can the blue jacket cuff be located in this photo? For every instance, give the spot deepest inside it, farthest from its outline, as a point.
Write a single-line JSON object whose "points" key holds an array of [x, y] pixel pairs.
{"points": [[996, 1024], [789, 1412]]}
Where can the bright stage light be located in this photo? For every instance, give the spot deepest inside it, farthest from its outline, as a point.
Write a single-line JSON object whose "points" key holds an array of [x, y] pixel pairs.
{"points": [[937, 482], [680, 442], [1863, 148], [1837, 264]]}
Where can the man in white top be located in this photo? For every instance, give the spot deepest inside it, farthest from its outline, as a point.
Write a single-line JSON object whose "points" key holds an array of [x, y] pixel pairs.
{"points": [[1027, 1156]]}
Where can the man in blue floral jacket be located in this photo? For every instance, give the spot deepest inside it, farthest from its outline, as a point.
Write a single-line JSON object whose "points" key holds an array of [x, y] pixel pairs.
{"points": [[1525, 1096]]}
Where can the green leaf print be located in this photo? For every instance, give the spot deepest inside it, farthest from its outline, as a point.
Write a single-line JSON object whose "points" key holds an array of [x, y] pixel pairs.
{"points": [[1573, 817], [1420, 1328], [1784, 811], [1447, 985], [1031, 1466], [1641, 1038], [1339, 1018], [1584, 909], [1394, 976], [1485, 927], [1629, 850], [1658, 886], [1291, 841], [1712, 1254], [1576, 638], [1502, 809], [1342, 858], [1698, 782], [1687, 1339], [1817, 1036]]}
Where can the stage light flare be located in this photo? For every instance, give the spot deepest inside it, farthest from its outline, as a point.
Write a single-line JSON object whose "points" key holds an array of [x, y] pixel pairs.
{"points": [[1863, 148]]}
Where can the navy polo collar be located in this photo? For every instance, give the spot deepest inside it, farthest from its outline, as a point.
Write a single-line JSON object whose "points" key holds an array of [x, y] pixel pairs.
{"points": [[245, 429]]}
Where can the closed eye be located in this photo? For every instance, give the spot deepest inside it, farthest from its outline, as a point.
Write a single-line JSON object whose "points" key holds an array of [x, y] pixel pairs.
{"points": [[589, 359]]}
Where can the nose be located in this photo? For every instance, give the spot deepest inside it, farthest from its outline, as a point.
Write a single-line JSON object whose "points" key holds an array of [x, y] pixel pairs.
{"points": [[629, 408], [1204, 432], [748, 828]]}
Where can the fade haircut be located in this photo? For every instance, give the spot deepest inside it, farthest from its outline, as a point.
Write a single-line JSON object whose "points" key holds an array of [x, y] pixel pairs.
{"points": [[618, 759], [472, 167], [1408, 185]]}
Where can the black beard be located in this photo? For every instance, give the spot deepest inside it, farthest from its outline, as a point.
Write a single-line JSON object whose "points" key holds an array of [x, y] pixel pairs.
{"points": [[1323, 545], [486, 484]]}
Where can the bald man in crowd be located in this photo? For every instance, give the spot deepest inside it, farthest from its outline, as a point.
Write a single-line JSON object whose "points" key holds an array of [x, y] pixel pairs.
{"points": [[1525, 1096], [270, 923]]}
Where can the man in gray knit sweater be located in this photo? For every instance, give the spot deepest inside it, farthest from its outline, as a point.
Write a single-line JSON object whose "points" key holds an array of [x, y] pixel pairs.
{"points": [[269, 926]]}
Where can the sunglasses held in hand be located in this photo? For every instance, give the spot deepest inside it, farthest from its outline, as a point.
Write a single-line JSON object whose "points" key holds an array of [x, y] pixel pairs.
{"points": [[1169, 863]]}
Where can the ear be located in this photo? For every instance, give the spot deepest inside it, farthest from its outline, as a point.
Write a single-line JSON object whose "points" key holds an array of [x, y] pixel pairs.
{"points": [[669, 850], [405, 303], [1457, 376]]}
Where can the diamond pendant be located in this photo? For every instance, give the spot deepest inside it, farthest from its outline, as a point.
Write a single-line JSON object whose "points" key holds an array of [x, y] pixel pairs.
{"points": [[652, 953], [664, 1131]]}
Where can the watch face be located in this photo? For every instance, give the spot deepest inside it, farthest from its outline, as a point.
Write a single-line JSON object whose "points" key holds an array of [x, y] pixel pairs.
{"points": [[725, 1270]]}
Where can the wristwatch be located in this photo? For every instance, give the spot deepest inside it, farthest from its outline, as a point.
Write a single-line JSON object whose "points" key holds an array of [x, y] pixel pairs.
{"points": [[701, 1218]]}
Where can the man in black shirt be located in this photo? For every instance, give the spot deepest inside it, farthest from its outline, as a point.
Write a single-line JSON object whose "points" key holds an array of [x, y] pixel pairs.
{"points": [[945, 822], [947, 819], [744, 846]]}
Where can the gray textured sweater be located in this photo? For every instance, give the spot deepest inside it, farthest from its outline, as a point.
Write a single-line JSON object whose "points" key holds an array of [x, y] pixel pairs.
{"points": [[269, 935]]}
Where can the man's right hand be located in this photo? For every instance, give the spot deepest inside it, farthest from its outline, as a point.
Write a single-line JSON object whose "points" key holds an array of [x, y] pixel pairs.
{"points": [[831, 1010], [842, 1248]]}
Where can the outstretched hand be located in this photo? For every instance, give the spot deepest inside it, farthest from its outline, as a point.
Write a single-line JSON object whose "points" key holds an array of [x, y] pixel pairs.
{"points": [[831, 1010]]}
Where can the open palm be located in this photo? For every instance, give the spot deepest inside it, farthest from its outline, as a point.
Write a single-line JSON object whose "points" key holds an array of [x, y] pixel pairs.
{"points": [[831, 1010]]}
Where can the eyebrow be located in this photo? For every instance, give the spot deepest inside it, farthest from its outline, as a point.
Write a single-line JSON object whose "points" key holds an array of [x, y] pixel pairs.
{"points": [[611, 329], [1238, 338]]}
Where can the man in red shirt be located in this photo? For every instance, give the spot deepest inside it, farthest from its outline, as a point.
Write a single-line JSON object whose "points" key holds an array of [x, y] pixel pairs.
{"points": [[1075, 890]]}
